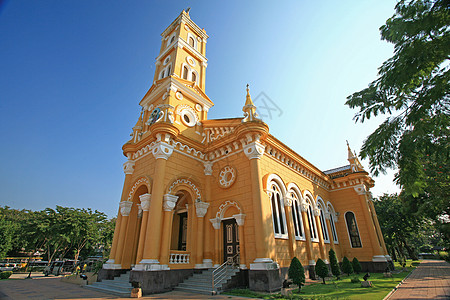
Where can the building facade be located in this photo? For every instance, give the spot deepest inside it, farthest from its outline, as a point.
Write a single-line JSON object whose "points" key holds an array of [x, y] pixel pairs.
{"points": [[199, 192]]}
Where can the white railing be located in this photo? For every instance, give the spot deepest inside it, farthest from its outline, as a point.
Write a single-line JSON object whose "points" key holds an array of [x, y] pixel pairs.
{"points": [[220, 273], [179, 258]]}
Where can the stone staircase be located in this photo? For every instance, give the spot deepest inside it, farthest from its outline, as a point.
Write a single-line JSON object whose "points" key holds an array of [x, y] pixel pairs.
{"points": [[201, 283], [119, 286]]}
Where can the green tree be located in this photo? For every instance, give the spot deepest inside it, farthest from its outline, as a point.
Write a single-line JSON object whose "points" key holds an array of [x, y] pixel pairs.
{"points": [[413, 90], [356, 265], [6, 236], [321, 269], [347, 266], [82, 226], [335, 269], [401, 229], [296, 272]]}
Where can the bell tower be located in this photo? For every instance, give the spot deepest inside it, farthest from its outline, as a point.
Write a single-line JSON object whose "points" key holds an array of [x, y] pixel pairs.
{"points": [[177, 95]]}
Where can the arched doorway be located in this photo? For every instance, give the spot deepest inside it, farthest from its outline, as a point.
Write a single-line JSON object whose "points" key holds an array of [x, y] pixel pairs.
{"points": [[180, 225]]}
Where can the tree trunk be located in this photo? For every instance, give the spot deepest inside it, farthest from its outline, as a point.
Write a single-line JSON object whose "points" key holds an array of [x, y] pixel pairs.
{"points": [[323, 280], [410, 251]]}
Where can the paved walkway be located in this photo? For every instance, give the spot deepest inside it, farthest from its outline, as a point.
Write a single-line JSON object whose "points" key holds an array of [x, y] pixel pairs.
{"points": [[44, 288], [430, 280]]}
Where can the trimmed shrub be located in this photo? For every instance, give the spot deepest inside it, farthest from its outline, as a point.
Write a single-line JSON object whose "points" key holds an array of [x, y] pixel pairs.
{"points": [[347, 266], [356, 265], [5, 274], [296, 272], [321, 269], [335, 269]]}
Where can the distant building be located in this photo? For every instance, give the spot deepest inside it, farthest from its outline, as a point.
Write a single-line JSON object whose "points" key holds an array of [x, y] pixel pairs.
{"points": [[200, 192]]}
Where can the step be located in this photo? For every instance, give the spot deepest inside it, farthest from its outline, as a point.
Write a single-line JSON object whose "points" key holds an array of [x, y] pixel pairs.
{"points": [[109, 290], [194, 290], [112, 283]]}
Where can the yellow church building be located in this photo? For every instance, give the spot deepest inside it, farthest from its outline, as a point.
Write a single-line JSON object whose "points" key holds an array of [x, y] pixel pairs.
{"points": [[224, 199]]}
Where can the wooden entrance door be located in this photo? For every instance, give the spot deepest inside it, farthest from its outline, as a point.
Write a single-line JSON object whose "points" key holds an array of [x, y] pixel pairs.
{"points": [[230, 239]]}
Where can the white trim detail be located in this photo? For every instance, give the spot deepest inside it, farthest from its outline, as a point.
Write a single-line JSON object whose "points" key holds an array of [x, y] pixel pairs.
{"points": [[187, 182], [140, 181]]}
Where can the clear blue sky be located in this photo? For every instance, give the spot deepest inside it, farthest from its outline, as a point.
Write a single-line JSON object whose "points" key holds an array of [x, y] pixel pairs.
{"points": [[73, 72]]}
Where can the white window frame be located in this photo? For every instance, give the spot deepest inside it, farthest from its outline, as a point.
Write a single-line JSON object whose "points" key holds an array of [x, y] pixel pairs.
{"points": [[190, 35], [311, 221], [332, 223], [170, 38], [279, 212], [297, 218], [323, 221]]}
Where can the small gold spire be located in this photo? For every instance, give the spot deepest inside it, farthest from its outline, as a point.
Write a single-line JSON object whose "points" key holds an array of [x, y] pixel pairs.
{"points": [[248, 100]]}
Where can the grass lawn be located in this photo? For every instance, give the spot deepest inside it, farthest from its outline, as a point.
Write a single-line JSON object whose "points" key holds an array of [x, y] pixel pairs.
{"points": [[341, 289]]}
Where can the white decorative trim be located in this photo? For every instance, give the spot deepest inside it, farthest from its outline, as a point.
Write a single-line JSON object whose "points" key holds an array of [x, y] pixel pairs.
{"points": [[136, 185], [240, 218], [162, 150], [379, 258], [201, 208], [189, 150], [139, 211], [360, 189], [128, 167], [145, 201], [223, 208], [227, 177], [264, 264], [108, 266], [189, 183], [316, 212], [208, 168], [214, 133], [207, 263], [169, 202], [254, 150], [125, 208], [287, 201], [216, 222]]}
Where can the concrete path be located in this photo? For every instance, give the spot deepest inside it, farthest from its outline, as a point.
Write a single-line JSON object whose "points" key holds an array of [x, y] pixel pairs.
{"points": [[430, 280], [40, 288]]}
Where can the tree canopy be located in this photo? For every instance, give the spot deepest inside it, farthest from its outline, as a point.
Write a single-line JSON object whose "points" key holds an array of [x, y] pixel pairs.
{"points": [[403, 231], [63, 232], [413, 88]]}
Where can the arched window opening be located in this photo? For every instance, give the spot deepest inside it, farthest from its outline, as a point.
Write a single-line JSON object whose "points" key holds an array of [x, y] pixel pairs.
{"points": [[332, 224], [191, 41], [297, 218], [312, 222], [323, 223], [352, 228], [161, 75], [185, 72], [194, 77], [278, 217], [172, 40], [168, 70]]}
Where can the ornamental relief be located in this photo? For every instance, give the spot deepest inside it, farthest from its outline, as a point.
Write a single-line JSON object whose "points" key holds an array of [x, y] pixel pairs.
{"points": [[227, 177]]}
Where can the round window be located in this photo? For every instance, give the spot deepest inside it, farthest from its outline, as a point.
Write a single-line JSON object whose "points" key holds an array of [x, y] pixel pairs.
{"points": [[188, 117]]}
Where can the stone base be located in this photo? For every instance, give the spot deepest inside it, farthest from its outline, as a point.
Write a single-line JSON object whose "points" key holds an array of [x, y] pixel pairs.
{"points": [[374, 267], [109, 274], [264, 280], [159, 281]]}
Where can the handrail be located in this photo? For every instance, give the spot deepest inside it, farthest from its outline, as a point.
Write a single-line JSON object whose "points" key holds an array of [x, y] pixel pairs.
{"points": [[219, 272]]}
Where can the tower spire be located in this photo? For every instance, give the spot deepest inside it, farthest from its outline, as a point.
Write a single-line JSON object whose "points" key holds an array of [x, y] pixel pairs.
{"points": [[353, 160], [249, 108]]}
